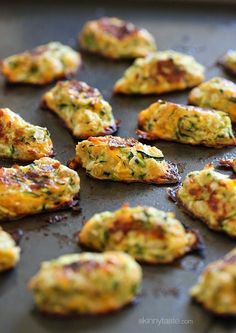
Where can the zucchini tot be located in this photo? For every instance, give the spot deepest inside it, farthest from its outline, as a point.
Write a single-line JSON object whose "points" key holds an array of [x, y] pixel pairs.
{"points": [[124, 160], [185, 124]]}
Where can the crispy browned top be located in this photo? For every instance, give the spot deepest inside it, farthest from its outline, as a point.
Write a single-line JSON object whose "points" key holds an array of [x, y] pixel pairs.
{"points": [[5, 127], [36, 180], [114, 141], [186, 107], [156, 232], [88, 265], [169, 70], [119, 31], [81, 87]]}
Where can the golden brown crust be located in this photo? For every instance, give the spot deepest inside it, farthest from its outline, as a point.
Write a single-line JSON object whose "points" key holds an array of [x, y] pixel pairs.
{"points": [[197, 247], [68, 205], [22, 141], [82, 87], [87, 315], [169, 122], [173, 195], [127, 160], [119, 32], [150, 137], [114, 39], [40, 84], [172, 178], [114, 141], [65, 285], [159, 73], [23, 160], [107, 131], [211, 311], [45, 185], [41, 65]]}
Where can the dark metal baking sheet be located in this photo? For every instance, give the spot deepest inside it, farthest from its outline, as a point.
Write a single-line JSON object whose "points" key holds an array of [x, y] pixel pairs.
{"points": [[206, 32]]}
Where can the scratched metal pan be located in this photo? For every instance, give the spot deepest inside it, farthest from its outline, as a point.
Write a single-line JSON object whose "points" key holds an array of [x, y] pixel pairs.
{"points": [[206, 32]]}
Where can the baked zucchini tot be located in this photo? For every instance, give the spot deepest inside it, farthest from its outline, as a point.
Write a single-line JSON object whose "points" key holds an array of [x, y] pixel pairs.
{"points": [[185, 124], [41, 65], [160, 72], [211, 197], [9, 251], [218, 94], [146, 233], [21, 140], [215, 289], [114, 38], [229, 62], [229, 163], [125, 160], [82, 109], [86, 283], [44, 185]]}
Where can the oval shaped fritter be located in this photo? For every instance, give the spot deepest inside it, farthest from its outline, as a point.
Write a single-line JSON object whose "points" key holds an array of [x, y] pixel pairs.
{"points": [[146, 233], [185, 124], [21, 140], [44, 185], [82, 109], [125, 160], [218, 94], [229, 62], [115, 38], [9, 251], [86, 283], [211, 197], [160, 72], [41, 65], [215, 289]]}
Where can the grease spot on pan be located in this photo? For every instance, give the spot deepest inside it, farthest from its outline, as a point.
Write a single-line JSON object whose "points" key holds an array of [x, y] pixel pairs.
{"points": [[166, 292], [56, 218], [62, 239], [191, 264], [181, 166], [17, 234]]}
